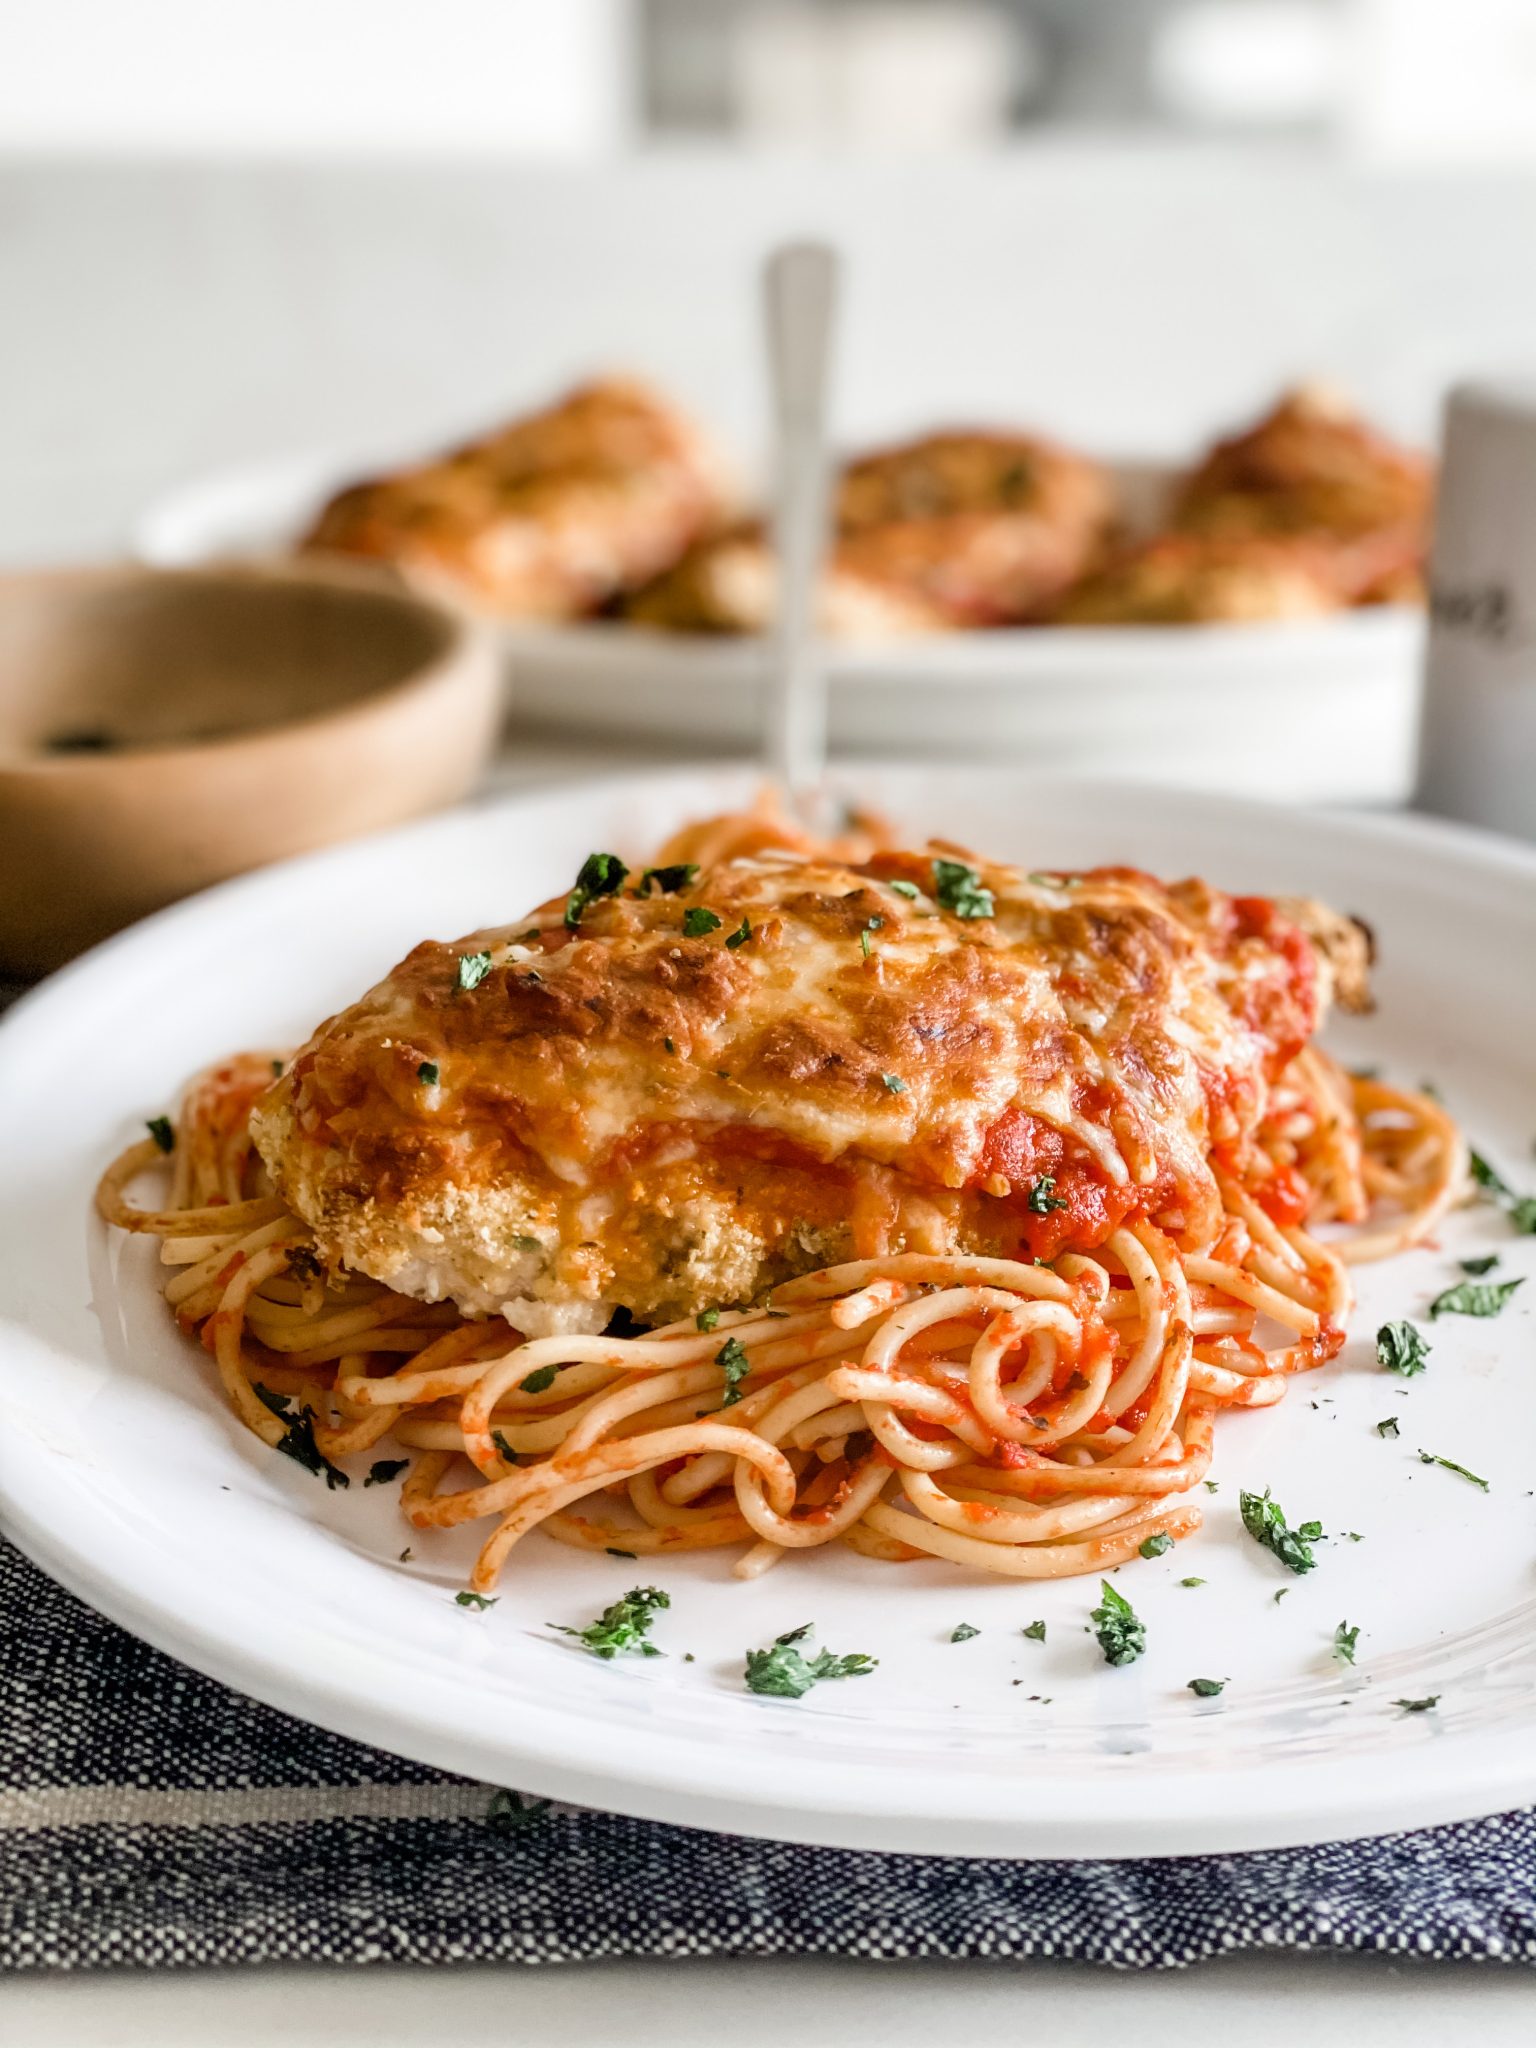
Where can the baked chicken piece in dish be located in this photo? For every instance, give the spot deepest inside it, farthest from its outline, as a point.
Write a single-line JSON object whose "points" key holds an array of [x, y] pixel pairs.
{"points": [[989, 527], [953, 530], [1313, 469], [548, 518], [1183, 579], [674, 1090], [729, 584]]}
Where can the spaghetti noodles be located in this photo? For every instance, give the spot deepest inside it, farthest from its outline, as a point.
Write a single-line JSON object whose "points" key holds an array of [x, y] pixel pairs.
{"points": [[1026, 1417]]}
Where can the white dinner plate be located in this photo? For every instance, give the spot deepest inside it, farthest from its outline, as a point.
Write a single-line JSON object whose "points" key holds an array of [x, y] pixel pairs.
{"points": [[1324, 708], [124, 1475]]}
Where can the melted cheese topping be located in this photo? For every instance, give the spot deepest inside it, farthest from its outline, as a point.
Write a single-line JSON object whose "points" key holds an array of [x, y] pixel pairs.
{"points": [[627, 1114]]}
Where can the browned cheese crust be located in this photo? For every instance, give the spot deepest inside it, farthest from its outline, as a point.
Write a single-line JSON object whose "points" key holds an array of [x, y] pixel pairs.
{"points": [[631, 1115]]}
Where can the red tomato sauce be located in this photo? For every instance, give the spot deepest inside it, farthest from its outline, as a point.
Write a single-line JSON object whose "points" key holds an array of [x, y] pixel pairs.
{"points": [[1280, 1007], [1084, 1207]]}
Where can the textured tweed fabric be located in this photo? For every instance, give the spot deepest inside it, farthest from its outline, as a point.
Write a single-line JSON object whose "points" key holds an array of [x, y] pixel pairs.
{"points": [[150, 1817]]}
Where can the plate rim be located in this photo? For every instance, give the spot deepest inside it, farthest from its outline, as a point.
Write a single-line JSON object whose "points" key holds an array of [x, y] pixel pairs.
{"points": [[1495, 1771], [1491, 1775]]}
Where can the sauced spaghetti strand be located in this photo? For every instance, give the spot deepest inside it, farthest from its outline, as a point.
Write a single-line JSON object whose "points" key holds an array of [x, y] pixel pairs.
{"points": [[1026, 1420]]}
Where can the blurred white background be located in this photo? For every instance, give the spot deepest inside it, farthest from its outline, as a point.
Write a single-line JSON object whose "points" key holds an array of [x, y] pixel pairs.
{"points": [[1414, 79], [231, 229], [328, 76]]}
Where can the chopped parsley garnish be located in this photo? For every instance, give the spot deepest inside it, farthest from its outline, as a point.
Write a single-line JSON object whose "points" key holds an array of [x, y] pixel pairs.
{"points": [[1473, 1298], [499, 1439], [959, 889], [707, 1319], [159, 1128], [522, 1243], [1521, 1208], [1043, 1198], [473, 968], [298, 1440], [893, 1084], [509, 1813], [1156, 1545], [963, 1631], [740, 936], [479, 1601], [427, 1073], [1478, 1267], [699, 922], [783, 1671], [1450, 1465], [733, 1362], [1035, 1631], [1345, 1637], [668, 880], [1121, 1632], [908, 889], [600, 874], [1418, 1706], [1212, 1485], [1191, 1582], [612, 1550], [382, 1470], [277, 1068], [1388, 1426], [1281, 1594], [670, 1044], [864, 943], [1207, 1688], [540, 1380], [1400, 1348], [1264, 1519], [623, 1626]]}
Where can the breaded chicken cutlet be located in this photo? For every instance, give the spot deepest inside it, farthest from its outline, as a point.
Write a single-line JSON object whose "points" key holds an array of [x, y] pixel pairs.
{"points": [[669, 1091]]}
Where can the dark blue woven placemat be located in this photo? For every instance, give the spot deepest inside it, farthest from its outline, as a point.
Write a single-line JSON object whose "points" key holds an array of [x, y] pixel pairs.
{"points": [[151, 1817]]}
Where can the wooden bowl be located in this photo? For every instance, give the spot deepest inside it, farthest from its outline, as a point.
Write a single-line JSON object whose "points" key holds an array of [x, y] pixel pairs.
{"points": [[164, 729]]}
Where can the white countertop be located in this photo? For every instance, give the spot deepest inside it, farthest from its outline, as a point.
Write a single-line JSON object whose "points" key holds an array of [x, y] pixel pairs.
{"points": [[1367, 2001]]}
